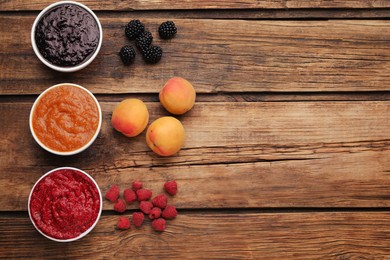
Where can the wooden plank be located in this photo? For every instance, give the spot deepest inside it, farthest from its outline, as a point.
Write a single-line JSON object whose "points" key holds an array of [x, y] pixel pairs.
{"points": [[255, 154], [217, 56], [326, 235], [17, 5]]}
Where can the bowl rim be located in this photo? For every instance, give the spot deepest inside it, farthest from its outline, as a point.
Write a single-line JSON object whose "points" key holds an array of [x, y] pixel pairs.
{"points": [[59, 68], [84, 147], [86, 231]]}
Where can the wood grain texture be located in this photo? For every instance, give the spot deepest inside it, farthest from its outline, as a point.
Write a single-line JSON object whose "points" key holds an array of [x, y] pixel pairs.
{"points": [[339, 235], [287, 150], [16, 5], [249, 154], [216, 56]]}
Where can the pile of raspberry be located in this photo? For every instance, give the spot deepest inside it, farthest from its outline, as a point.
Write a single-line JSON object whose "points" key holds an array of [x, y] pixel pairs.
{"points": [[157, 209]]}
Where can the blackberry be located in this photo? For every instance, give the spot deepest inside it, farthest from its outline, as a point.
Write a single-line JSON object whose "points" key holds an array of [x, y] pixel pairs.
{"points": [[167, 30], [144, 40], [127, 54], [134, 28], [152, 54]]}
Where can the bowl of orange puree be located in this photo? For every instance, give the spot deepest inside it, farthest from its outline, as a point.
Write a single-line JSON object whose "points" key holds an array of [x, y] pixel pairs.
{"points": [[65, 119]]}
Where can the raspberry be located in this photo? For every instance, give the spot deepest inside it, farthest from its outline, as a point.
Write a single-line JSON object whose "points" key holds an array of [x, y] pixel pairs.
{"points": [[144, 40], [137, 185], [169, 212], [152, 54], [145, 206], [127, 54], [143, 194], [113, 193], [155, 213], [138, 218], [133, 29], [123, 223], [159, 224], [160, 201], [129, 196], [167, 30], [171, 187], [120, 206]]}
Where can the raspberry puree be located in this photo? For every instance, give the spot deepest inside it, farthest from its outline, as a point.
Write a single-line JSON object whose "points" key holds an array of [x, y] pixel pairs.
{"points": [[64, 204]]}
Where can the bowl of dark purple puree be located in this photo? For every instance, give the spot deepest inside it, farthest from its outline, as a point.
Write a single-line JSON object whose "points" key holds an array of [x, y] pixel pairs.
{"points": [[66, 36]]}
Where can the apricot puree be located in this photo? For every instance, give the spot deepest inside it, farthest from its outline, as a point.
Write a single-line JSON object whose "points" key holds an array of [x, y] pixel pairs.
{"points": [[65, 118]]}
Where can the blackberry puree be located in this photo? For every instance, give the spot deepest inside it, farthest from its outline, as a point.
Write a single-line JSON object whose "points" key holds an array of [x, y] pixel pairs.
{"points": [[67, 35]]}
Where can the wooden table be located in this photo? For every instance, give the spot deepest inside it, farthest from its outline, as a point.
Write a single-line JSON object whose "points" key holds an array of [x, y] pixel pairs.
{"points": [[287, 153]]}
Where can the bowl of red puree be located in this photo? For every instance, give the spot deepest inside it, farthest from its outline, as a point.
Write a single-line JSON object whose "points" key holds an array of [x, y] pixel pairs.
{"points": [[65, 119], [66, 36], [65, 204]]}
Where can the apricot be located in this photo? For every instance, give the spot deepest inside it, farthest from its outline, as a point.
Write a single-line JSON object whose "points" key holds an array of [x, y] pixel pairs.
{"points": [[177, 96], [130, 117], [165, 136]]}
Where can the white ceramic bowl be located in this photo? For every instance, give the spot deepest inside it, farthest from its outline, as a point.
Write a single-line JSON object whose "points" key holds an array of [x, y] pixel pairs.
{"points": [[85, 232], [79, 150], [59, 68]]}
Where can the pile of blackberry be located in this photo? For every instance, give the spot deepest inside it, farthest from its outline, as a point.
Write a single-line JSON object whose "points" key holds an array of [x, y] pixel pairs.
{"points": [[151, 54]]}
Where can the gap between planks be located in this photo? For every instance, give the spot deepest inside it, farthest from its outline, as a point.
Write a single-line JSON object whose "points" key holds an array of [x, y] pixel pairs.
{"points": [[186, 211], [206, 4], [234, 97], [243, 14]]}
